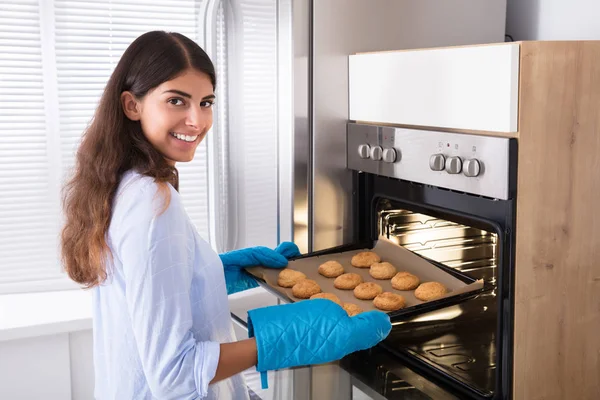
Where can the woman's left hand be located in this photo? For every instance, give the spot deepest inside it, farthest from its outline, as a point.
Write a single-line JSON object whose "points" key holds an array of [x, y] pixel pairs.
{"points": [[235, 261]]}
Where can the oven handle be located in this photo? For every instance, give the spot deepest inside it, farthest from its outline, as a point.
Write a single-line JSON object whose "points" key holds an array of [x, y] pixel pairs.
{"points": [[243, 324]]}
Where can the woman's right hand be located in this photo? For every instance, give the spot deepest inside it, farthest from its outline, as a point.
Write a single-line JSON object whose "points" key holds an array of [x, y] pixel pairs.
{"points": [[312, 332]]}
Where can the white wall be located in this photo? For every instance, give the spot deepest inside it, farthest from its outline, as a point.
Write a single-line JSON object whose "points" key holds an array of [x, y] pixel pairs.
{"points": [[553, 19], [57, 367], [81, 356]]}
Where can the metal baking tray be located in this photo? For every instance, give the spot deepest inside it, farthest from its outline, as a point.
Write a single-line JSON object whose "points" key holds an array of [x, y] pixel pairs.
{"points": [[461, 287]]}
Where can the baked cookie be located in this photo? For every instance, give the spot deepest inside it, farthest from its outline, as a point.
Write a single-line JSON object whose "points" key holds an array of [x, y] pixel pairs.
{"points": [[289, 277], [388, 301], [352, 309], [405, 281], [367, 291], [382, 270], [430, 291], [305, 288], [328, 296], [347, 281], [365, 259], [331, 269]]}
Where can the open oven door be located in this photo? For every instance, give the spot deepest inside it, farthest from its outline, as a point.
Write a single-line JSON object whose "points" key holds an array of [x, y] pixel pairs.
{"points": [[377, 375]]}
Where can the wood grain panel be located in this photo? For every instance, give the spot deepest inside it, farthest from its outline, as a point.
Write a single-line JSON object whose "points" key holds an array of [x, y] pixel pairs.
{"points": [[557, 306]]}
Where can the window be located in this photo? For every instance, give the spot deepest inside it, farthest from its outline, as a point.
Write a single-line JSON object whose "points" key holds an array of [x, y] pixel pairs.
{"points": [[90, 37], [55, 58], [28, 197], [246, 50]]}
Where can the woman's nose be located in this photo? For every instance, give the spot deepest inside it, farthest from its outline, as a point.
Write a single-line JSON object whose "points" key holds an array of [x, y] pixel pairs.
{"points": [[194, 118]]}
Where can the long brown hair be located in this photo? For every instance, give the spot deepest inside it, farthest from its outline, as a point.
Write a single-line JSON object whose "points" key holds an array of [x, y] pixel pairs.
{"points": [[113, 144]]}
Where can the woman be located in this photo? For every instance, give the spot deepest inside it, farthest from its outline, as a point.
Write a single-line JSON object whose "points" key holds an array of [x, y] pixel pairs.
{"points": [[162, 327]]}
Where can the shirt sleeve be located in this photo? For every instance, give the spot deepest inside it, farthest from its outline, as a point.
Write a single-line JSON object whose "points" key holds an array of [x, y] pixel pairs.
{"points": [[157, 250]]}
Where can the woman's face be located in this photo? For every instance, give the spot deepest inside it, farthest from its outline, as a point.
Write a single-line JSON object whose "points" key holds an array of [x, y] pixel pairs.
{"points": [[176, 115]]}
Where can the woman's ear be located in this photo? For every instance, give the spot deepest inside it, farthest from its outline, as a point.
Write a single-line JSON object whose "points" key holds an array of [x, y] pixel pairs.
{"points": [[131, 107]]}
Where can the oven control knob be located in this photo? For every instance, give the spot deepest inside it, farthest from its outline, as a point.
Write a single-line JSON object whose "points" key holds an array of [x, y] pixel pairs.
{"points": [[389, 155], [376, 153], [453, 165], [437, 162], [471, 167], [364, 151]]}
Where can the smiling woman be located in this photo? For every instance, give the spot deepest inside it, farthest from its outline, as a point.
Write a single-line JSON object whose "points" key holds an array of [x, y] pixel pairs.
{"points": [[162, 326], [148, 267], [132, 130], [173, 120]]}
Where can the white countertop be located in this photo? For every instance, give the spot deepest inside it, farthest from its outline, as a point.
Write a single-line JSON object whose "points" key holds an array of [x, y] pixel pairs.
{"points": [[44, 313]]}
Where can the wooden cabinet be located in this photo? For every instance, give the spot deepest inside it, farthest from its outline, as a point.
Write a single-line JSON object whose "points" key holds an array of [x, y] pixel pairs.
{"points": [[557, 302]]}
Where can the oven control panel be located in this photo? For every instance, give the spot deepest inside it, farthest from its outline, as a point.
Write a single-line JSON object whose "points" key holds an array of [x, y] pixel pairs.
{"points": [[463, 162]]}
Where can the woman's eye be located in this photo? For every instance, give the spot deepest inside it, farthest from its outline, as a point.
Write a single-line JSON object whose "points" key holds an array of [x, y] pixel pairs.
{"points": [[207, 104], [176, 102]]}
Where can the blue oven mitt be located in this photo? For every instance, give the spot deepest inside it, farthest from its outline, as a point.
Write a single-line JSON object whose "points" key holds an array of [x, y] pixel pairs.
{"points": [[235, 261], [311, 332]]}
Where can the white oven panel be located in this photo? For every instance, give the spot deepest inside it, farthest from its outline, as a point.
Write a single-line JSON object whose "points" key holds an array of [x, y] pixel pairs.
{"points": [[463, 162]]}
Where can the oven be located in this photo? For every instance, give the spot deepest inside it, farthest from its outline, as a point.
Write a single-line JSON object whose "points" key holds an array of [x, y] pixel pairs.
{"points": [[449, 197]]}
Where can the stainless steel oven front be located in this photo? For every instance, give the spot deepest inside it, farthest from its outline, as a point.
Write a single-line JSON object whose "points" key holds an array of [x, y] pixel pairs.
{"points": [[449, 197]]}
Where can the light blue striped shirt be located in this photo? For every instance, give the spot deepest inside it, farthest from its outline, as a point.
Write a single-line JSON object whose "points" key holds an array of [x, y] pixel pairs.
{"points": [[161, 314]]}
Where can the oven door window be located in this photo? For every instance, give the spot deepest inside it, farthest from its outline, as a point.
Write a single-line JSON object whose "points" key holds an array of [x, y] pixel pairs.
{"points": [[460, 341]]}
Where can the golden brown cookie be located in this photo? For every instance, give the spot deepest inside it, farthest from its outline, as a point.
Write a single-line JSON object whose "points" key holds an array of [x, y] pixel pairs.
{"points": [[405, 281], [347, 281], [367, 291], [430, 291], [365, 259], [331, 269], [382, 270], [305, 288], [388, 301], [352, 309], [328, 296], [289, 277]]}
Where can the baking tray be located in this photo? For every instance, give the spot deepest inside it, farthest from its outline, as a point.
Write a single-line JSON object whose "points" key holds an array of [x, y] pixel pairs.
{"points": [[461, 287]]}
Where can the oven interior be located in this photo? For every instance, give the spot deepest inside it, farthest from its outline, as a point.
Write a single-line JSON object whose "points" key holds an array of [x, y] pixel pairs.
{"points": [[460, 340]]}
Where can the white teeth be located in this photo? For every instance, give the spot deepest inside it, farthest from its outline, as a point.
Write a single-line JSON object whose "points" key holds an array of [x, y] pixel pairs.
{"points": [[185, 138]]}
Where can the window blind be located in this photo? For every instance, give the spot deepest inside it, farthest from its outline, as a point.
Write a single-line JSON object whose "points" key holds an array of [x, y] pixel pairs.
{"points": [[253, 130], [55, 58], [28, 198], [91, 36], [225, 216]]}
